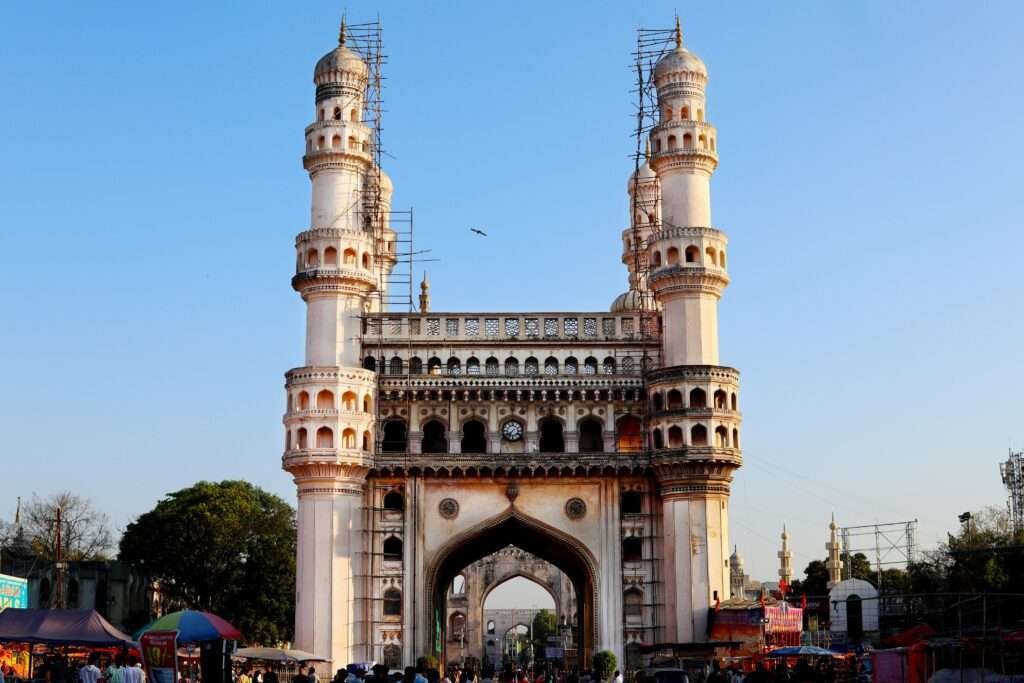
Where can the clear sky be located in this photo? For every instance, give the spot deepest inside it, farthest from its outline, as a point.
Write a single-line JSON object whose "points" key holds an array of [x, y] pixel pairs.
{"points": [[870, 182]]}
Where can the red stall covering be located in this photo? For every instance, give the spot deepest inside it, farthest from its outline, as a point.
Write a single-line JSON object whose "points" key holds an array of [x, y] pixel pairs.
{"points": [[747, 621]]}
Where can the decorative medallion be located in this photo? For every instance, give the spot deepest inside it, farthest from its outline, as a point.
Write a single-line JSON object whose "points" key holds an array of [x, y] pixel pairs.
{"points": [[512, 431], [575, 508], [512, 492], [448, 508]]}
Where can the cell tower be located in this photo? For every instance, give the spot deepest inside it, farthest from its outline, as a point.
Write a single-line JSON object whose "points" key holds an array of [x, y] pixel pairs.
{"points": [[1012, 473]]}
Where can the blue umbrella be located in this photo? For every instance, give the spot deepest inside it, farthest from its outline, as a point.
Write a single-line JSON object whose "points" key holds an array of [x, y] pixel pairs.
{"points": [[802, 651]]}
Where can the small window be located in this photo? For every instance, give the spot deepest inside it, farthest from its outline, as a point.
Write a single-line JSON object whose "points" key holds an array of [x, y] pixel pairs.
{"points": [[632, 503], [392, 549], [392, 602], [632, 549], [394, 501], [337, 114]]}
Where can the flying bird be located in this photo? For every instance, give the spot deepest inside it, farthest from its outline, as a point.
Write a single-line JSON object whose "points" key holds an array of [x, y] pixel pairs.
{"points": [[478, 231]]}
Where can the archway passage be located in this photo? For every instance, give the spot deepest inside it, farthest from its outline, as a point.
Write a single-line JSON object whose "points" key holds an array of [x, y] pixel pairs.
{"points": [[534, 537]]}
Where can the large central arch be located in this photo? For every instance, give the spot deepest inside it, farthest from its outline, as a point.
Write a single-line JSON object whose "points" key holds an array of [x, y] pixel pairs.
{"points": [[533, 536]]}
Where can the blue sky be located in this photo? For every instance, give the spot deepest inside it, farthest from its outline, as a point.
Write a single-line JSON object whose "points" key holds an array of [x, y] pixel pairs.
{"points": [[870, 183]]}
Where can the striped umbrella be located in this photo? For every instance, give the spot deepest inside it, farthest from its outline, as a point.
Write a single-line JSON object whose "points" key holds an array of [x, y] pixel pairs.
{"points": [[194, 627]]}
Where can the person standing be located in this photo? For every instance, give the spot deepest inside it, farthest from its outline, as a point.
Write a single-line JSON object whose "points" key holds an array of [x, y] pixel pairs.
{"points": [[115, 670], [133, 672], [90, 673]]}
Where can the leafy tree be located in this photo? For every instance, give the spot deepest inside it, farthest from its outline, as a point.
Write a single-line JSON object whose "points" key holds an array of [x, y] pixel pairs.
{"points": [[84, 530], [603, 665], [545, 624], [815, 580], [860, 567], [226, 547]]}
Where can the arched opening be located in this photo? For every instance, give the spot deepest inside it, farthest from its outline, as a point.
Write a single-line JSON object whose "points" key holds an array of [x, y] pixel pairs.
{"points": [[692, 254], [698, 399], [457, 627], [396, 366], [531, 366], [353, 144], [415, 366], [571, 366], [687, 141], [632, 550], [394, 501], [632, 606], [672, 142], [710, 251], [658, 439], [721, 437], [656, 259], [672, 256], [303, 400], [675, 437], [433, 365], [735, 438], [370, 363], [454, 366], [474, 437], [590, 366], [392, 602], [702, 141], [511, 528], [628, 439], [459, 585], [608, 366], [435, 439], [698, 435], [312, 258], [367, 403], [631, 502], [330, 256], [392, 549], [320, 115], [367, 441], [302, 438], [721, 259], [551, 438], [657, 402], [349, 257], [490, 627], [491, 367], [591, 436], [657, 145], [720, 400], [700, 114], [324, 400], [511, 367], [348, 400], [336, 114], [353, 116], [473, 366], [348, 438], [395, 437], [666, 114], [854, 619], [336, 142], [324, 438], [685, 114], [366, 261], [675, 399], [732, 401], [550, 365]]}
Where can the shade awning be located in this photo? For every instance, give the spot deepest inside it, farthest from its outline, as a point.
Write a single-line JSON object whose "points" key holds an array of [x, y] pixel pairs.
{"points": [[60, 627]]}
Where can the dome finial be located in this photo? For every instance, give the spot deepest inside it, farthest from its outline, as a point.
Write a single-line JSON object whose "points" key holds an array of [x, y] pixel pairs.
{"points": [[341, 31], [679, 35], [647, 150]]}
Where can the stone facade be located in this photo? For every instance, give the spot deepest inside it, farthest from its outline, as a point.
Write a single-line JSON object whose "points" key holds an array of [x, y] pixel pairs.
{"points": [[421, 443]]}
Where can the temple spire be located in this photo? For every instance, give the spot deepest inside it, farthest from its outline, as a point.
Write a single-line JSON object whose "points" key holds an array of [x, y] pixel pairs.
{"points": [[341, 31], [679, 34]]}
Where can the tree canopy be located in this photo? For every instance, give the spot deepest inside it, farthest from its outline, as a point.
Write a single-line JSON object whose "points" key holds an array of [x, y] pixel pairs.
{"points": [[545, 623], [228, 548], [84, 531]]}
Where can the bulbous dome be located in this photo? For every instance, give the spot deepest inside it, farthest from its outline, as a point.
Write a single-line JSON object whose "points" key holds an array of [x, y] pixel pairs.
{"points": [[632, 301], [677, 61], [342, 59], [645, 174]]}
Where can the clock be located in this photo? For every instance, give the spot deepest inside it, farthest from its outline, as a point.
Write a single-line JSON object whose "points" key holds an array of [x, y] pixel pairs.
{"points": [[512, 431]]}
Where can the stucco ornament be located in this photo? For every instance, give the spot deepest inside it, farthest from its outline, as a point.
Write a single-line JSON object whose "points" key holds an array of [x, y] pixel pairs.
{"points": [[448, 508], [575, 508], [512, 492]]}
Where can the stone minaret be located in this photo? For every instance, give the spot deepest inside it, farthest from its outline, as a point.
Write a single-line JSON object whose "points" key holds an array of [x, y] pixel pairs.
{"points": [[330, 419], [737, 579], [695, 436], [785, 559], [834, 563]]}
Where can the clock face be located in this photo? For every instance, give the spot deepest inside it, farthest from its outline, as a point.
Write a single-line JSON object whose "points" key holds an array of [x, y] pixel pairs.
{"points": [[512, 430]]}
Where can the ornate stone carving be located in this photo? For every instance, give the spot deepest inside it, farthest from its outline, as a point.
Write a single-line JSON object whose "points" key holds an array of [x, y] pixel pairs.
{"points": [[575, 508], [512, 492], [448, 508]]}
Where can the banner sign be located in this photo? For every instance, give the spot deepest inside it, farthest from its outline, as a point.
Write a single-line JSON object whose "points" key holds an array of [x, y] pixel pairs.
{"points": [[160, 656], [13, 592]]}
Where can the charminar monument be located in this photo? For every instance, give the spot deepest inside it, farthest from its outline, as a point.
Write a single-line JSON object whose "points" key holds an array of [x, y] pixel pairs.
{"points": [[422, 442]]}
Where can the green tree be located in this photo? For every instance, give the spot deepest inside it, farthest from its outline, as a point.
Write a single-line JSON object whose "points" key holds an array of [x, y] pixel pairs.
{"points": [[860, 568], [603, 665], [228, 548], [815, 581], [545, 624]]}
